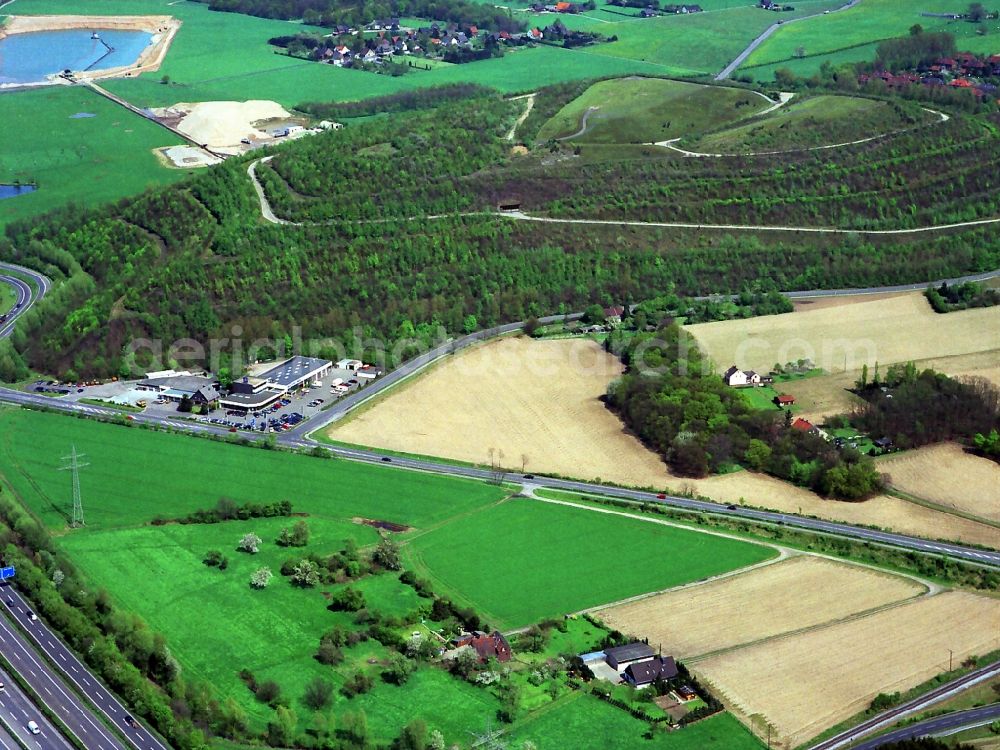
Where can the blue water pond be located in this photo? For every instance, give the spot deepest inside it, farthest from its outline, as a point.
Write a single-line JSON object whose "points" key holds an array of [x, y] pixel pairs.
{"points": [[29, 58], [12, 191]]}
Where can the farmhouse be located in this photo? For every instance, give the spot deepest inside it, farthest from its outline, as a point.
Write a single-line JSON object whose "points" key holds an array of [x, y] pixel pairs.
{"points": [[486, 645], [644, 673], [804, 425], [738, 378], [783, 399], [620, 657]]}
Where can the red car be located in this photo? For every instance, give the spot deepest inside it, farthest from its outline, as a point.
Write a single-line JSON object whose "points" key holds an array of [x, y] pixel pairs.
{"points": [[661, 496]]}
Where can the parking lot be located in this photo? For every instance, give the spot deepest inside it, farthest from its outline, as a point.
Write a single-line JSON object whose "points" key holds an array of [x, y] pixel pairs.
{"points": [[290, 410]]}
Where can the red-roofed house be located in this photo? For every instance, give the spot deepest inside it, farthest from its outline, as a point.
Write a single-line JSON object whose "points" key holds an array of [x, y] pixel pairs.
{"points": [[803, 425], [783, 399]]}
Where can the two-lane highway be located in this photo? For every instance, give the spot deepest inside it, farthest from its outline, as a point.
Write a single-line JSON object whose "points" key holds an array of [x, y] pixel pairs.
{"points": [[16, 710], [26, 296], [73, 711]]}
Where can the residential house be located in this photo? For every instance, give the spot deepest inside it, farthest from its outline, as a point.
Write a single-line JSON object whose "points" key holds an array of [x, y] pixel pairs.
{"points": [[644, 673], [648, 12], [612, 315], [734, 377], [804, 425], [486, 645], [783, 399]]}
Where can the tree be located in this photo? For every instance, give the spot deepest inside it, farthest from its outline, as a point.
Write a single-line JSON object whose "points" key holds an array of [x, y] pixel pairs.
{"points": [[988, 444], [348, 599], [916, 30], [800, 52], [436, 741], [593, 314], [305, 574], [386, 554], [757, 454], [261, 577], [249, 543], [535, 638], [318, 694], [470, 324], [329, 653], [215, 559], [531, 326], [414, 736], [281, 731], [977, 13], [300, 534], [399, 670], [862, 382], [356, 684], [268, 692]]}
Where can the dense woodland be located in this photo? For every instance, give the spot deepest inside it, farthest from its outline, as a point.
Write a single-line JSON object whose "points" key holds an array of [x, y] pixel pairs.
{"points": [[963, 296], [357, 14], [674, 401], [195, 259], [914, 408]]}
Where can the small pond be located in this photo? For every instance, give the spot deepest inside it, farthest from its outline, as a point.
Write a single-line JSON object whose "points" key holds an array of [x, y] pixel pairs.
{"points": [[12, 191], [30, 57]]}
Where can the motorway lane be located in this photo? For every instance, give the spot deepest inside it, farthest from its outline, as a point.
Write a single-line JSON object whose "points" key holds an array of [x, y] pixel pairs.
{"points": [[99, 737], [914, 706], [16, 710], [25, 294], [65, 704], [946, 724]]}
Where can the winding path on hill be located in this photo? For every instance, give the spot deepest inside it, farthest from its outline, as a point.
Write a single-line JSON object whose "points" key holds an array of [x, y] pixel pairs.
{"points": [[523, 116], [583, 125], [738, 60], [702, 154]]}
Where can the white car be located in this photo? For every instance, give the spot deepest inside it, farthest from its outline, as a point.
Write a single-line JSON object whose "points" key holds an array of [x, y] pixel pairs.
{"points": [[33, 728]]}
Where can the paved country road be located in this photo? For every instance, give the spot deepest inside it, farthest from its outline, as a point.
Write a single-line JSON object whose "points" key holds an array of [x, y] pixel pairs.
{"points": [[51, 680], [16, 710], [26, 296], [918, 704], [738, 61]]}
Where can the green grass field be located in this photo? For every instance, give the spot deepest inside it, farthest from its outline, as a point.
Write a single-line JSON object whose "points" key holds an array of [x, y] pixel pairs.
{"points": [[594, 725], [867, 22], [157, 572], [810, 122], [644, 110], [523, 561], [88, 160], [136, 475]]}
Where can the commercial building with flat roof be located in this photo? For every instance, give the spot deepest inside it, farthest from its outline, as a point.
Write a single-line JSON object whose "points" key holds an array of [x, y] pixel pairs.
{"points": [[252, 393]]}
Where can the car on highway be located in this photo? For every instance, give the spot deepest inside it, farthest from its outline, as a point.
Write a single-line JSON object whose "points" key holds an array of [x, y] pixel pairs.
{"points": [[34, 728], [386, 459], [2, 686]]}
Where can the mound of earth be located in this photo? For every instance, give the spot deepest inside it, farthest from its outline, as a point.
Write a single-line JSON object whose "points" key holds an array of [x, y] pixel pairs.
{"points": [[222, 125]]}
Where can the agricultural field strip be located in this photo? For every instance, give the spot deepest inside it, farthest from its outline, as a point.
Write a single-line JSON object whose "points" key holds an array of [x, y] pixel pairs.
{"points": [[756, 679], [268, 215], [784, 553]]}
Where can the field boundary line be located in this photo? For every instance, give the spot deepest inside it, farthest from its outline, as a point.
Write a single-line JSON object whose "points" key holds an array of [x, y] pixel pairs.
{"points": [[917, 500], [853, 617]]}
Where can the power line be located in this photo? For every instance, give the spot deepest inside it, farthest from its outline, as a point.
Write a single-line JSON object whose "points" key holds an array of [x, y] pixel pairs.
{"points": [[75, 466]]}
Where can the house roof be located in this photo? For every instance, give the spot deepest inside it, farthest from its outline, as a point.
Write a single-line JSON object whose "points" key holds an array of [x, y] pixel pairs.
{"points": [[802, 425], [784, 398], [629, 652], [645, 672], [731, 371]]}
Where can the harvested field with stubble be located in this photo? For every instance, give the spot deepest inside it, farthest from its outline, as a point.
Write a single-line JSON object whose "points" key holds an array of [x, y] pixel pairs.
{"points": [[784, 597], [806, 683], [521, 396], [883, 511], [947, 475], [842, 338]]}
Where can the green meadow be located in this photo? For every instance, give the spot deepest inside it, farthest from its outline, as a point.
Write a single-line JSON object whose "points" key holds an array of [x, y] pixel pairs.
{"points": [[522, 561], [811, 121], [516, 562], [644, 110], [867, 23], [83, 160], [136, 475], [594, 725]]}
